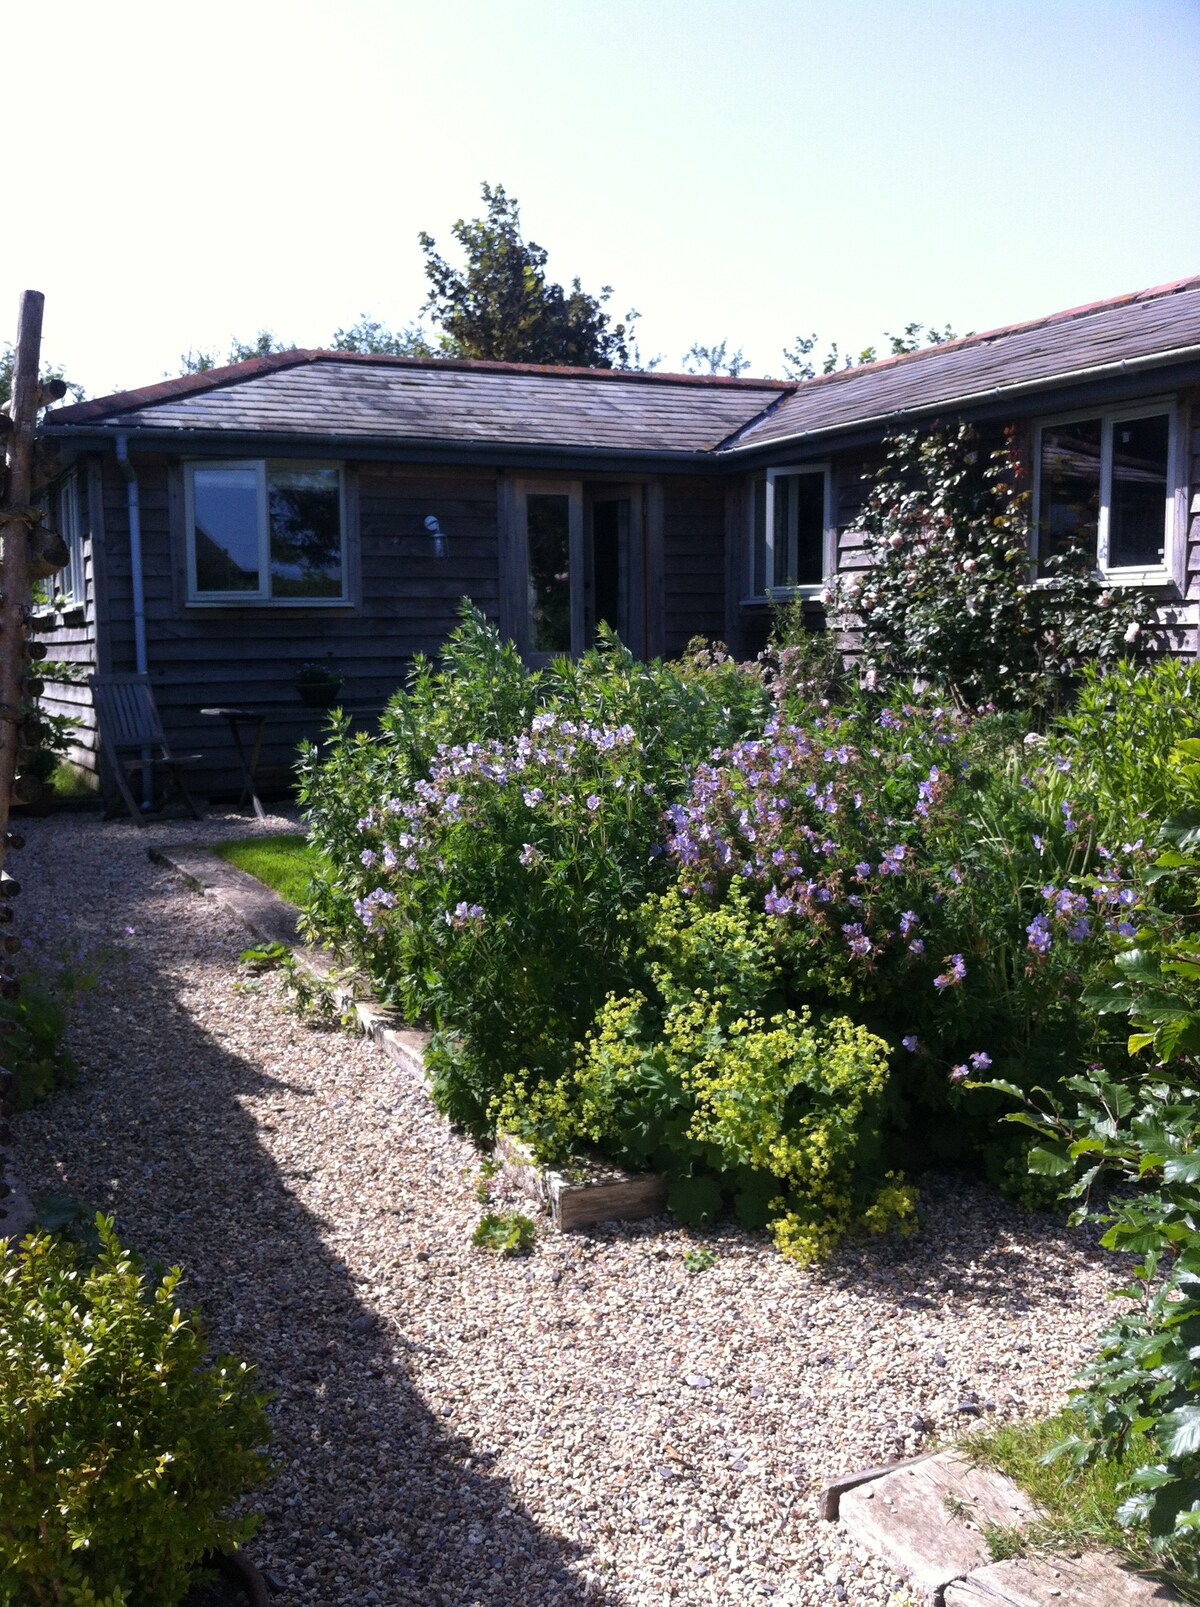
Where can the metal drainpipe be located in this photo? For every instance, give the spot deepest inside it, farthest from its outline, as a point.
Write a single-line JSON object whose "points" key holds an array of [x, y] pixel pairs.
{"points": [[139, 595]]}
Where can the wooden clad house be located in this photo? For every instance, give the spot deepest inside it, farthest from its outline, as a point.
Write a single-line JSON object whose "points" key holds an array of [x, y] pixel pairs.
{"points": [[227, 527]]}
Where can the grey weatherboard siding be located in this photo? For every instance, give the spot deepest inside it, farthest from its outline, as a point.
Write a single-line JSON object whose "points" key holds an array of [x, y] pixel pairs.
{"points": [[452, 439]]}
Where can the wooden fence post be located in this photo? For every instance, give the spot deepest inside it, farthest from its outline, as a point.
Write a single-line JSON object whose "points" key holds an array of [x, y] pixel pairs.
{"points": [[18, 520]]}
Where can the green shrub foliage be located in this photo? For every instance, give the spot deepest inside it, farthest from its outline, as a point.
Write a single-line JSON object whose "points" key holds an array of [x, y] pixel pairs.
{"points": [[121, 1444], [679, 912], [481, 856], [1116, 753], [948, 594], [772, 1114], [1138, 1121]]}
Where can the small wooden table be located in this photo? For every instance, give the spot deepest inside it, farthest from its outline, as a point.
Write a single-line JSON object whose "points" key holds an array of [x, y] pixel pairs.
{"points": [[235, 719]]}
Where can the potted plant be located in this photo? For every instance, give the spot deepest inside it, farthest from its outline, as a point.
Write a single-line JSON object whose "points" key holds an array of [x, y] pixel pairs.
{"points": [[122, 1443], [33, 790], [319, 683]]}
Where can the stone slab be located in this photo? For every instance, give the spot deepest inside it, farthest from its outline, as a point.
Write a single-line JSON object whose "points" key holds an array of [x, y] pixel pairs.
{"points": [[831, 1495], [1092, 1579], [927, 1519]]}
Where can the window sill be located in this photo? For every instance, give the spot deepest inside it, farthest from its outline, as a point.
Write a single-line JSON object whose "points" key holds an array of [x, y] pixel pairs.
{"points": [[783, 594], [1156, 579], [258, 603], [55, 619], [1137, 577]]}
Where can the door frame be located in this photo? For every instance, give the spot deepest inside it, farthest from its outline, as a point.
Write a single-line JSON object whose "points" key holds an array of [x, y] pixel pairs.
{"points": [[645, 542]]}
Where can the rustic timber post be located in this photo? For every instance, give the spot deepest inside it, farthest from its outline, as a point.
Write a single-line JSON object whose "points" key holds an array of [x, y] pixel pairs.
{"points": [[18, 523]]}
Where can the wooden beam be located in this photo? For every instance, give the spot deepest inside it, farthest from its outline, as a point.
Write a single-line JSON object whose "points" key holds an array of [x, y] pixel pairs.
{"points": [[16, 523]]}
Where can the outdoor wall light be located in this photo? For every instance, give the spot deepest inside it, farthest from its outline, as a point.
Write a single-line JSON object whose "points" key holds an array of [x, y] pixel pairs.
{"points": [[439, 539]]}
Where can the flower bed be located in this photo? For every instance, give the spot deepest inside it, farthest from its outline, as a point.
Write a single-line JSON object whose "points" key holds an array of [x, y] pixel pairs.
{"points": [[757, 947]]}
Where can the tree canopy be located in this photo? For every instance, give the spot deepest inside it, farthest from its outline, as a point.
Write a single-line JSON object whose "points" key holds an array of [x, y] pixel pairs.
{"points": [[370, 336], [798, 363], [240, 351], [501, 305]]}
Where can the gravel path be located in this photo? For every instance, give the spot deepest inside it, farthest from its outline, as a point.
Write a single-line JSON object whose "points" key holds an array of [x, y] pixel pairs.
{"points": [[593, 1424]]}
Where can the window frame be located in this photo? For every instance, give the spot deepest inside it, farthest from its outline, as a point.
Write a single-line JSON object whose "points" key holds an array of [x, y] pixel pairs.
{"points": [[72, 582], [828, 532], [1163, 574], [262, 597]]}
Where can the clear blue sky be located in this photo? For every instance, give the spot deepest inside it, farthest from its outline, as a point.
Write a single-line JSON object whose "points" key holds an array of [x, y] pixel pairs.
{"points": [[742, 171]]}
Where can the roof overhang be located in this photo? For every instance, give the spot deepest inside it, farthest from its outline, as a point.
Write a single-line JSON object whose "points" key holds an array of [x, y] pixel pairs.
{"points": [[491, 454], [1102, 381]]}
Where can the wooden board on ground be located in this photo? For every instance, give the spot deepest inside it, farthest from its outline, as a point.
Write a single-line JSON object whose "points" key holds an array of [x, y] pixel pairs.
{"points": [[598, 1194], [928, 1519], [261, 911], [1093, 1579]]}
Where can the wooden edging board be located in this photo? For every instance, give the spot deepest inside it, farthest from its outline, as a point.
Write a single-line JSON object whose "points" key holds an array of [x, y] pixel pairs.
{"points": [[573, 1202]]}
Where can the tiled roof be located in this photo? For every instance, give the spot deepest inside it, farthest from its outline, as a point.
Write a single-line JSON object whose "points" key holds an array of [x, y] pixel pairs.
{"points": [[1125, 332], [338, 394], [331, 395]]}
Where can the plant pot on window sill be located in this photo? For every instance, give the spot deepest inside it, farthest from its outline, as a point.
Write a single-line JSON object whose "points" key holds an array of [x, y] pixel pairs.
{"points": [[319, 683], [320, 695]]}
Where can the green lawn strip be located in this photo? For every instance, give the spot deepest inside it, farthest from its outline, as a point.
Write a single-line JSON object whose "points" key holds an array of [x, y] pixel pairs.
{"points": [[284, 864], [1080, 1504]]}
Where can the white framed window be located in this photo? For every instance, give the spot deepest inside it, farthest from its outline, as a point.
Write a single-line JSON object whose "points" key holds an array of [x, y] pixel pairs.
{"points": [[1106, 483], [265, 531], [791, 531], [71, 581]]}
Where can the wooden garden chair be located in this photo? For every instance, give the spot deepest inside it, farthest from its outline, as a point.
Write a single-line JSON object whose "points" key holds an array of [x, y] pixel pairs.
{"points": [[132, 737]]}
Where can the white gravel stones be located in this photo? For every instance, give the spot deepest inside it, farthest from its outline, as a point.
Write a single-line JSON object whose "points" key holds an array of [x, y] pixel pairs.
{"points": [[592, 1424]]}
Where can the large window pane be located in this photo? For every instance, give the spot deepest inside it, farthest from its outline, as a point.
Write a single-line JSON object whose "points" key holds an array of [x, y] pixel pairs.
{"points": [[1069, 511], [226, 513], [306, 532], [548, 522], [799, 529], [1137, 517]]}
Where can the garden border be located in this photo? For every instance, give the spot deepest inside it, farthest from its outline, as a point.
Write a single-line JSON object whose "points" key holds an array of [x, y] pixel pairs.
{"points": [[574, 1199]]}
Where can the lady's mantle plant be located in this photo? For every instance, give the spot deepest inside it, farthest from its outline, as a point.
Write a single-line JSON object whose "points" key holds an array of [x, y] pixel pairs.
{"points": [[949, 595], [736, 1100], [121, 1443]]}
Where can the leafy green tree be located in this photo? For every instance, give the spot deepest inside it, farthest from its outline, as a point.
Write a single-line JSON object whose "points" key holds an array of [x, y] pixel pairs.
{"points": [[376, 339], [240, 351], [798, 357], [716, 359], [501, 305]]}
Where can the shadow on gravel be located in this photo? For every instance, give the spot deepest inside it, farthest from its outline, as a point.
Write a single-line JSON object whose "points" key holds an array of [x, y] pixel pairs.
{"points": [[403, 1512]]}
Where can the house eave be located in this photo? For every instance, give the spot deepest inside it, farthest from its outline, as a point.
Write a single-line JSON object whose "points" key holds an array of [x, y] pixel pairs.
{"points": [[360, 448], [996, 400]]}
